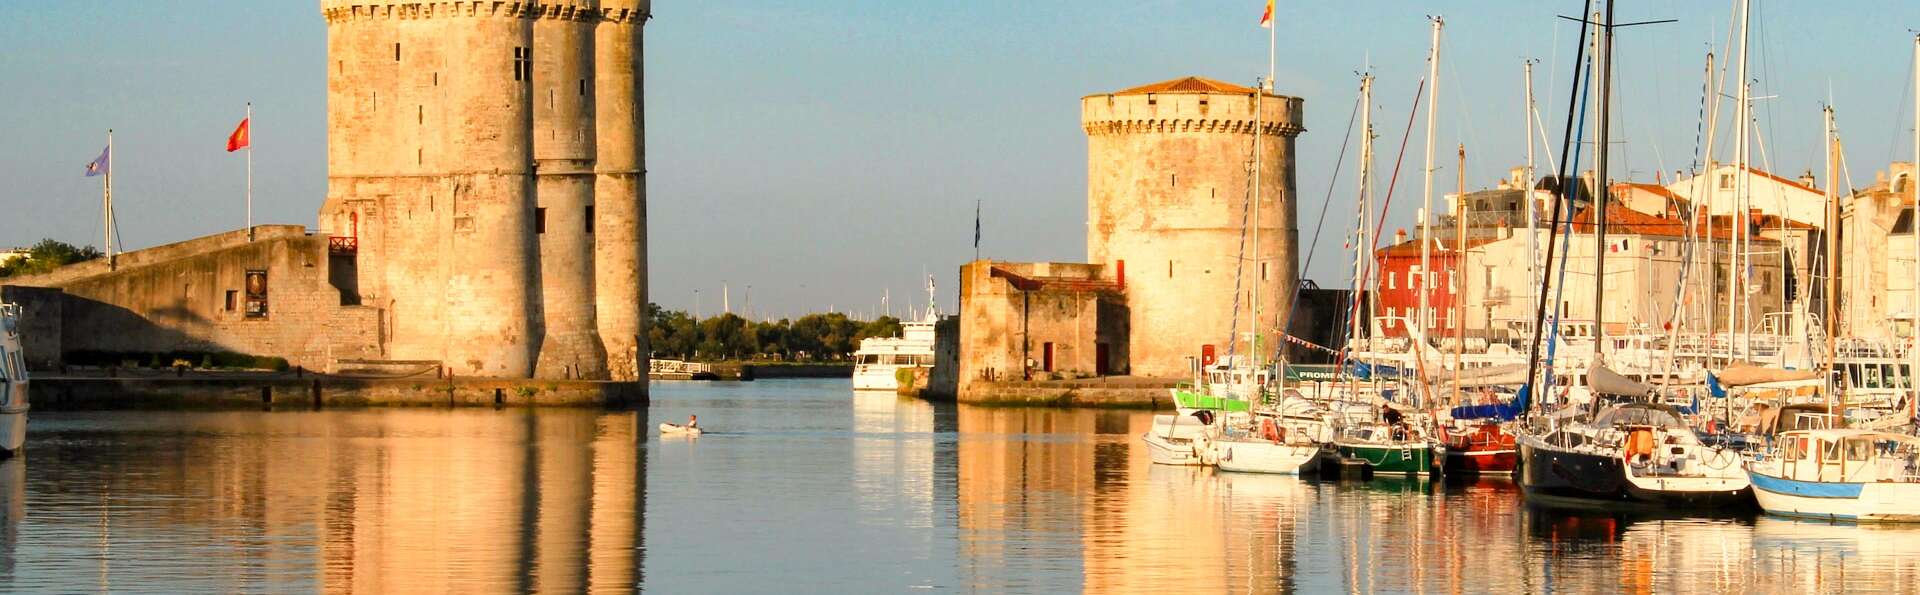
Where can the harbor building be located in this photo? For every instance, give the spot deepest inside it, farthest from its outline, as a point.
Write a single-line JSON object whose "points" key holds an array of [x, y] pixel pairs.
{"points": [[1876, 256], [1654, 277], [1172, 265], [485, 211]]}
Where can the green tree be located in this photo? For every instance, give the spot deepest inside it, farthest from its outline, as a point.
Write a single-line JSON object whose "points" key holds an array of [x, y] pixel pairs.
{"points": [[46, 256]]}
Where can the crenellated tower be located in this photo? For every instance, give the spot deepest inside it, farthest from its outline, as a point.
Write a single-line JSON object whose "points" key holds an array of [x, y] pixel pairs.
{"points": [[1168, 167], [469, 159]]}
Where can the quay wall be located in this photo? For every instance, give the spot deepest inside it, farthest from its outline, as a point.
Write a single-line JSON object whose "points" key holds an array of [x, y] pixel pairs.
{"points": [[1067, 393], [59, 394], [194, 296]]}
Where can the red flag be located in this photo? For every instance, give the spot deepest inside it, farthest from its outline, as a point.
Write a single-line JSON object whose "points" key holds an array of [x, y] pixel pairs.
{"points": [[238, 140]]}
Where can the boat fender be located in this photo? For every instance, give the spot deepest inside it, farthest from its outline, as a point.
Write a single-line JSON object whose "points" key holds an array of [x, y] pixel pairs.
{"points": [[1272, 431]]}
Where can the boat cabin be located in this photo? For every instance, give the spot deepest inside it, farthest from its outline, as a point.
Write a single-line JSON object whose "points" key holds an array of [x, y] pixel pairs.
{"points": [[1849, 456]]}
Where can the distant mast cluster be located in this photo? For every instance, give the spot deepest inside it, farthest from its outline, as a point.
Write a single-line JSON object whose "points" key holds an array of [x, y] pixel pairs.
{"points": [[487, 160]]}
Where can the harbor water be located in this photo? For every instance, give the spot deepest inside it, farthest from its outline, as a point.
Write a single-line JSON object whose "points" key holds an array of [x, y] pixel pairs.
{"points": [[805, 486]]}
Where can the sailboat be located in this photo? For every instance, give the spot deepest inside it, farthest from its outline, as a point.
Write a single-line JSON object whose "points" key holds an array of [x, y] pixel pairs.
{"points": [[1839, 473], [13, 382]]}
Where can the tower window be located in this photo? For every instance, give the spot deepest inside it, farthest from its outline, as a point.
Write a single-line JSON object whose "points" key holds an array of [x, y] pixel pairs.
{"points": [[436, 79], [1169, 269], [589, 224], [396, 51], [522, 63], [583, 87], [421, 113], [1263, 271], [1173, 180], [540, 220]]}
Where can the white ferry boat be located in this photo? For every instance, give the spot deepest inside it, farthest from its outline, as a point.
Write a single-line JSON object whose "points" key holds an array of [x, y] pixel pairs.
{"points": [[879, 359], [13, 382]]}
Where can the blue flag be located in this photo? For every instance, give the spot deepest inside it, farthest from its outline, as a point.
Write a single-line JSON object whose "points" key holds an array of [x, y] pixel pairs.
{"points": [[976, 226], [98, 167]]}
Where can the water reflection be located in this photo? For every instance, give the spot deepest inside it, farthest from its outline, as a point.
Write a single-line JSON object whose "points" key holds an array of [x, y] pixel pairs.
{"points": [[802, 486], [375, 501], [1063, 500]]}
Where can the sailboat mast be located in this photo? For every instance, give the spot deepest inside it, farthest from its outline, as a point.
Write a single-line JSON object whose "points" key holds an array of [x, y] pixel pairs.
{"points": [[1703, 213], [1601, 187], [1366, 202], [1253, 341], [1828, 230], [1457, 280], [1533, 219], [1913, 303], [1741, 260], [1425, 324]]}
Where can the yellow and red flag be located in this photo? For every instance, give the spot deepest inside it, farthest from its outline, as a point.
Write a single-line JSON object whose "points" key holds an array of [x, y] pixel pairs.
{"points": [[238, 140], [1266, 18]]}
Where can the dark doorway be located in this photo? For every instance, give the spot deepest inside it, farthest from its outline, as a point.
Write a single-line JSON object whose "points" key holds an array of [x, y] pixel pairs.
{"points": [[1046, 357], [1100, 355]]}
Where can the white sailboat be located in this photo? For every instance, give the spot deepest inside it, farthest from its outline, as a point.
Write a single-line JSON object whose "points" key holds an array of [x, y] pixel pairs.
{"points": [[13, 382]]}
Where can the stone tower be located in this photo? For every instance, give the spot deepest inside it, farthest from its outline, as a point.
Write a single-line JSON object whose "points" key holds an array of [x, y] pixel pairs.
{"points": [[620, 187], [465, 145], [564, 156], [1167, 172]]}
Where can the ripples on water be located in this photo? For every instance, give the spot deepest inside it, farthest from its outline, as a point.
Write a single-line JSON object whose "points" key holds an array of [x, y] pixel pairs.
{"points": [[801, 486]]}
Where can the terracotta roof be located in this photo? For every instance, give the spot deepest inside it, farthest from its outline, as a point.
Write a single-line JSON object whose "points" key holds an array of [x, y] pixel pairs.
{"points": [[1192, 84], [1622, 220], [1793, 183], [1440, 246], [1035, 283]]}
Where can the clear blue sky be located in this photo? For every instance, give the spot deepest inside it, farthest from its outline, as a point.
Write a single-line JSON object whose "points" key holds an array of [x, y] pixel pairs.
{"points": [[822, 150]]}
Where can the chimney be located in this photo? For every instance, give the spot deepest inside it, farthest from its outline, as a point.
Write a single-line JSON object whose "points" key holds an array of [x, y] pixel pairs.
{"points": [[1806, 179], [1400, 236]]}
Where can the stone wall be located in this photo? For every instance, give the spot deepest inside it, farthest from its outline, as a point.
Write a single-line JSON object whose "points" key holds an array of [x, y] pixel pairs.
{"points": [[192, 296], [41, 311], [1013, 312]]}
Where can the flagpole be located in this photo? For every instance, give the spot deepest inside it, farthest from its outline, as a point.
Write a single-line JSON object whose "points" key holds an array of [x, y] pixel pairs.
{"points": [[249, 124], [106, 203]]}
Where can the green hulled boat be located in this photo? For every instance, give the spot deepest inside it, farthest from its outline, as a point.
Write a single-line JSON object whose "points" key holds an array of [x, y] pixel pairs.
{"points": [[1376, 445]]}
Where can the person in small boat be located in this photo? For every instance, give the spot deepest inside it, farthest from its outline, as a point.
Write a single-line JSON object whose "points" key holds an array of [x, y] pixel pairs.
{"points": [[693, 422]]}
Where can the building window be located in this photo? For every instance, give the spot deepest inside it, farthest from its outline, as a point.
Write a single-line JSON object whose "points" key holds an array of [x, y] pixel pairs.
{"points": [[1726, 181], [1453, 281], [1151, 100], [1263, 271], [522, 63], [233, 299], [396, 51], [1449, 320], [589, 219], [540, 220], [1169, 269], [583, 87], [1389, 317], [1173, 180], [1391, 276], [1431, 317]]}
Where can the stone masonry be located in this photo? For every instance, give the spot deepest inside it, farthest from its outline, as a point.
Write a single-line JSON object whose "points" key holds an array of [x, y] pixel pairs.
{"points": [[485, 167]]}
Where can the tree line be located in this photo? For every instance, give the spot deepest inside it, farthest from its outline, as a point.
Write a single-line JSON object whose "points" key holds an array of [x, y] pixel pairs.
{"points": [[47, 256], [674, 334]]}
